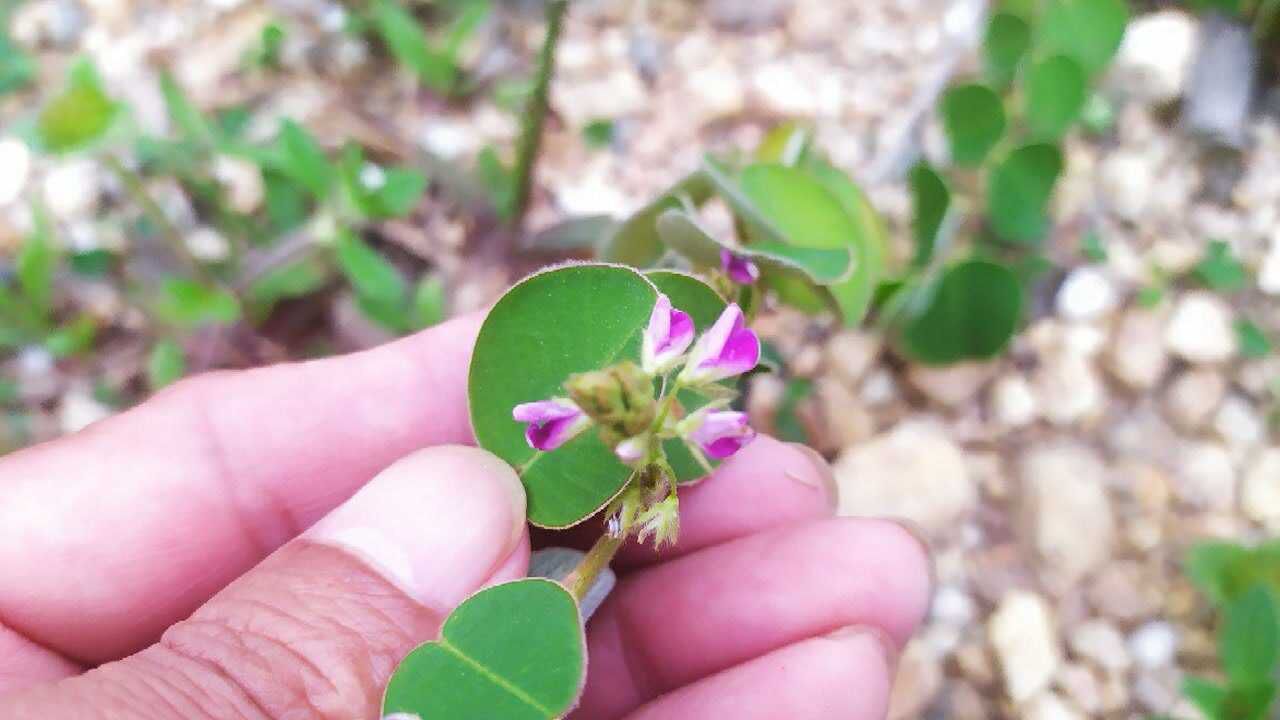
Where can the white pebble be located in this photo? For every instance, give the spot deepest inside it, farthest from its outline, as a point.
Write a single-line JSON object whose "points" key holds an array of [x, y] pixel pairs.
{"points": [[1086, 294], [372, 176], [207, 244], [1201, 329], [15, 168], [1154, 645]]}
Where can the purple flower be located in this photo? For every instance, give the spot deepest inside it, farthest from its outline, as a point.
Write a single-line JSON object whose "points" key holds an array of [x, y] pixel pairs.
{"points": [[729, 348], [720, 433], [552, 422], [739, 269], [668, 335]]}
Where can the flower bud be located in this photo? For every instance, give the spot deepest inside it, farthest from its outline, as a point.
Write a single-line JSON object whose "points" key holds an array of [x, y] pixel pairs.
{"points": [[619, 398]]}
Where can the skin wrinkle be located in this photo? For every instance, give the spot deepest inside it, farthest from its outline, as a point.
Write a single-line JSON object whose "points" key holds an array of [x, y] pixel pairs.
{"points": [[266, 535], [344, 682]]}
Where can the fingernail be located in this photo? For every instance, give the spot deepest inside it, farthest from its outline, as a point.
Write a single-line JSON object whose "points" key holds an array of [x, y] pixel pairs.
{"points": [[437, 523], [876, 639], [825, 476]]}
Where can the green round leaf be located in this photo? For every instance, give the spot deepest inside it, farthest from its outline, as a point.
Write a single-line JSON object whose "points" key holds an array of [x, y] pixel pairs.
{"points": [[932, 200], [1089, 31], [807, 213], [566, 320], [969, 314], [871, 247], [1018, 192], [1055, 96], [514, 651], [973, 117], [1007, 40]]}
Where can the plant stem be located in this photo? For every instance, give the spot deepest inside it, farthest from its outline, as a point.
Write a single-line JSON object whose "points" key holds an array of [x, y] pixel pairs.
{"points": [[134, 185], [597, 559], [535, 113]]}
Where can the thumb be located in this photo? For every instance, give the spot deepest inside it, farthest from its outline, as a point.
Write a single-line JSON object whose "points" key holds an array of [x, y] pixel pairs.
{"points": [[317, 628]]}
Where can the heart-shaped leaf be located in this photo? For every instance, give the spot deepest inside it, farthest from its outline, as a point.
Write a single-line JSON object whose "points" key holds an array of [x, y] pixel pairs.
{"points": [[1007, 41], [514, 651], [932, 200], [973, 117], [636, 241], [1055, 95], [682, 233], [968, 314], [1018, 192], [558, 322], [1088, 31]]}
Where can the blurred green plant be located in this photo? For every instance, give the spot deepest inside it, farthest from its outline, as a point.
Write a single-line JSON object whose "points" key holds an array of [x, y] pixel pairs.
{"points": [[436, 59], [29, 307], [1241, 582]]}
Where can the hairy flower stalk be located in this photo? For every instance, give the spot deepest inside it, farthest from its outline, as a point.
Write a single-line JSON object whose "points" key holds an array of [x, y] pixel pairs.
{"points": [[637, 410]]}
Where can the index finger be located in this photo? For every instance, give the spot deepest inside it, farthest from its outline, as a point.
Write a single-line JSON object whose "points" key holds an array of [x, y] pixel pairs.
{"points": [[109, 536]]}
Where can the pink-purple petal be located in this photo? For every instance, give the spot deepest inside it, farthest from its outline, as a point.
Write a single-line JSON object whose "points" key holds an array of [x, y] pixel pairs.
{"points": [[669, 333], [721, 433], [741, 270], [729, 348], [551, 423]]}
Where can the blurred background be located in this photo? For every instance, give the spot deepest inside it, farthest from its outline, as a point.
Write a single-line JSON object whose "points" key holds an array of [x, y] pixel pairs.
{"points": [[228, 183]]}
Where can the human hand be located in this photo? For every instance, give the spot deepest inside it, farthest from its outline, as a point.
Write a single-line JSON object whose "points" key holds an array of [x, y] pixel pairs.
{"points": [[137, 548]]}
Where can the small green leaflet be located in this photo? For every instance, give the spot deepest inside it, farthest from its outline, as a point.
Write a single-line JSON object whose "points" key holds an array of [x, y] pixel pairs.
{"points": [[1248, 642], [932, 200], [81, 114], [1018, 191], [1219, 269], [1007, 41], [1253, 342], [1055, 96], [1088, 31], [970, 313], [974, 119]]}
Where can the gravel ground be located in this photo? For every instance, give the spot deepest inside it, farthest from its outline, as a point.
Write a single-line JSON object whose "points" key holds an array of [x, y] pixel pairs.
{"points": [[1060, 485]]}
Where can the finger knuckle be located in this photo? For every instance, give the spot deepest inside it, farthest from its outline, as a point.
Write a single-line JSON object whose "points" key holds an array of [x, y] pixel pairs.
{"points": [[281, 650]]}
